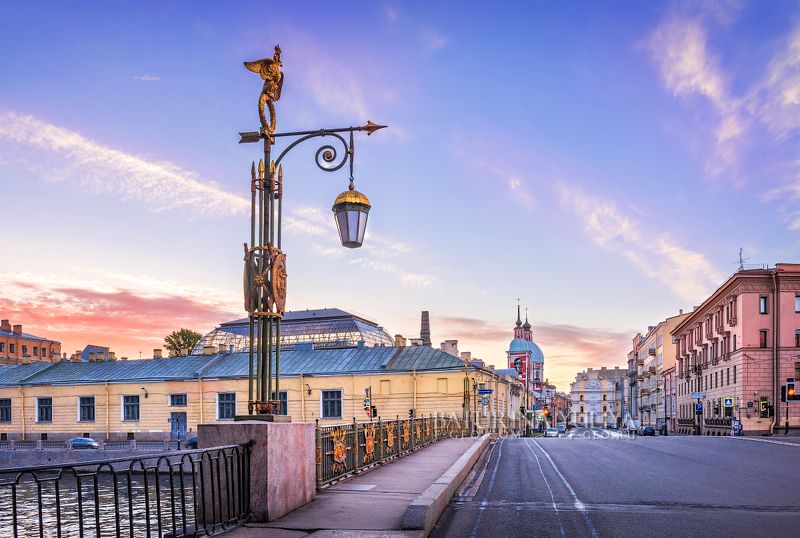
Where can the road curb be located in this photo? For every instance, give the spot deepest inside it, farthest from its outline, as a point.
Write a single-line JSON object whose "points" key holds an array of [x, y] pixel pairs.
{"points": [[425, 510]]}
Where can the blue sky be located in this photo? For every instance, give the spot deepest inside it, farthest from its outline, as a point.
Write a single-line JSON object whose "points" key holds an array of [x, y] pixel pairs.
{"points": [[602, 162]]}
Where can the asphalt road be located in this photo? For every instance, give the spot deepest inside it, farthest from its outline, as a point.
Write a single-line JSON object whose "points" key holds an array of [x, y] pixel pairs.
{"points": [[602, 483]]}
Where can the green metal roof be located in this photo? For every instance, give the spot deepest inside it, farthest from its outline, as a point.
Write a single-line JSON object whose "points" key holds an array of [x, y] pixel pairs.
{"points": [[229, 365]]}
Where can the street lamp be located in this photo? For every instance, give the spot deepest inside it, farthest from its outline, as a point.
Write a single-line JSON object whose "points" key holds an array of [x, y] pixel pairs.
{"points": [[264, 260]]}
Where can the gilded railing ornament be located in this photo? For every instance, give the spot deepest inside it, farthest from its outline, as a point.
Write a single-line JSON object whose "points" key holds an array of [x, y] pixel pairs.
{"points": [[406, 432], [389, 437], [339, 450], [369, 444], [428, 427], [418, 428], [270, 71]]}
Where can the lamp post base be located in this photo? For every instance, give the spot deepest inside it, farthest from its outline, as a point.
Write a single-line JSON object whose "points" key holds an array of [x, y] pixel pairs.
{"points": [[263, 418]]}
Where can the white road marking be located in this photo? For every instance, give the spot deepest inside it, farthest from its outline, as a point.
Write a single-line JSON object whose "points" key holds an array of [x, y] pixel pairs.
{"points": [[759, 440], [489, 489], [546, 483], [575, 500]]}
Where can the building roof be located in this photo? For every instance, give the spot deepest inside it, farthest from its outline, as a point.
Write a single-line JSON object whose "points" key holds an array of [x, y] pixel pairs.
{"points": [[324, 327], [27, 336], [302, 360]]}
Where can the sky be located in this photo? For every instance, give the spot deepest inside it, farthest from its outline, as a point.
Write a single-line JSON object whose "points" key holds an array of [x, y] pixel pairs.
{"points": [[603, 162]]}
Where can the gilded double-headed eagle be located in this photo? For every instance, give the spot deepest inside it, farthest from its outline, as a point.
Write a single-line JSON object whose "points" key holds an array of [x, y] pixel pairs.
{"points": [[270, 71]]}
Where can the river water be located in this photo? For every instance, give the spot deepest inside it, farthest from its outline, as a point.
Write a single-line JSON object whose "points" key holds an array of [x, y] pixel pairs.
{"points": [[113, 517]]}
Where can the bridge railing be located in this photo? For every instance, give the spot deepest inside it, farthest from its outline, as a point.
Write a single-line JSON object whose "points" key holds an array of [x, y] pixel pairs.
{"points": [[183, 493], [344, 449]]}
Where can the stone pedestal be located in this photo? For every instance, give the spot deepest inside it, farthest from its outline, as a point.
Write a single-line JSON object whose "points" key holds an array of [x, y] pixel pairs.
{"points": [[282, 462]]}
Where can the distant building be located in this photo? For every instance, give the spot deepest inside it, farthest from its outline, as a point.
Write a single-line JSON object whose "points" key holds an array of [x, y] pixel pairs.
{"points": [[17, 346], [735, 352], [597, 397], [670, 399], [94, 353], [530, 355], [653, 353]]}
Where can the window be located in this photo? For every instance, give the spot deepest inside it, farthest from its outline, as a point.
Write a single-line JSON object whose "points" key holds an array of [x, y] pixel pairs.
{"points": [[2, 347], [178, 400], [24, 350], [762, 304], [605, 397], [581, 409], [605, 408], [797, 303], [797, 338], [226, 405], [35, 351], [5, 410], [283, 398], [734, 375], [12, 348], [729, 377], [762, 338], [331, 404], [581, 397], [130, 407], [44, 410], [86, 409], [734, 342], [716, 379]]}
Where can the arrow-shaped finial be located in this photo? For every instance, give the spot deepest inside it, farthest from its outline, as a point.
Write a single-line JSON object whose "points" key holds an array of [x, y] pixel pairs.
{"points": [[371, 127]]}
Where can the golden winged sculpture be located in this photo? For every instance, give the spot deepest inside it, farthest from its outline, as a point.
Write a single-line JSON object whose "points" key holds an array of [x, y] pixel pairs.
{"points": [[270, 71]]}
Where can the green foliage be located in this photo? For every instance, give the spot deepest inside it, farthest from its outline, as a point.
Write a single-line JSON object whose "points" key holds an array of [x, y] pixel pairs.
{"points": [[183, 338]]}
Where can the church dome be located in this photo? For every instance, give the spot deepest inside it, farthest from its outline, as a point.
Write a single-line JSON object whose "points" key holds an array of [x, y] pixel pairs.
{"points": [[520, 345]]}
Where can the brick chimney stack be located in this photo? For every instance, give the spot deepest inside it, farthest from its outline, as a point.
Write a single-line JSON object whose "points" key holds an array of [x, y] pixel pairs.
{"points": [[425, 329], [17, 329], [157, 353], [5, 325]]}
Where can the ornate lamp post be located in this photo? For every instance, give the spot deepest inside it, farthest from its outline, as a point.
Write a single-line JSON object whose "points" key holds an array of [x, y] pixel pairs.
{"points": [[265, 261]]}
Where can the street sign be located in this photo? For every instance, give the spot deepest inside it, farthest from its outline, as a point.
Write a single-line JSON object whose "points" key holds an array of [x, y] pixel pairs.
{"points": [[698, 396], [698, 407], [485, 401], [485, 391], [727, 401]]}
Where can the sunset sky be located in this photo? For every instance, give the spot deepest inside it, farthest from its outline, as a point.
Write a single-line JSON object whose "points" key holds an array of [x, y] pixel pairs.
{"points": [[603, 162]]}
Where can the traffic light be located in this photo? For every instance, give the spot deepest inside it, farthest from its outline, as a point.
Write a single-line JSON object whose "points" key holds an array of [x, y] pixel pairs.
{"points": [[763, 408], [791, 390], [374, 412], [783, 393], [410, 413], [546, 411]]}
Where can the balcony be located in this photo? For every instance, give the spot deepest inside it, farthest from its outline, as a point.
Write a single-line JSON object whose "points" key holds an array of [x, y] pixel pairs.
{"points": [[651, 370], [652, 351], [639, 361]]}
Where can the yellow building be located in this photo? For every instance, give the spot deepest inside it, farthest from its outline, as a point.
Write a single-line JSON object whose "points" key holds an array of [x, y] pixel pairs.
{"points": [[166, 398]]}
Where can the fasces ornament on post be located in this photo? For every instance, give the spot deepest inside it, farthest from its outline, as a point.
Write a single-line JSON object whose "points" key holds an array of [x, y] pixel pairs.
{"points": [[270, 71]]}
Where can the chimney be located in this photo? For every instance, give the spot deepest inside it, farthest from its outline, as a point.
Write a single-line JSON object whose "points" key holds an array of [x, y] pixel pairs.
{"points": [[425, 329], [171, 353], [221, 348], [399, 341], [680, 312], [5, 325], [123, 358], [209, 350], [92, 357], [184, 352], [17, 329], [112, 356], [64, 357], [157, 353]]}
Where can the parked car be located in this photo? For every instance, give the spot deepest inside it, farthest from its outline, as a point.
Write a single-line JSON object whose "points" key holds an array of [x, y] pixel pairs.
{"points": [[561, 427], [551, 432], [78, 443], [648, 430], [191, 443]]}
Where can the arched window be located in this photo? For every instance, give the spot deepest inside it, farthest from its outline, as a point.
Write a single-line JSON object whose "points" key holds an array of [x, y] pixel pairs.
{"points": [[605, 397], [581, 397]]}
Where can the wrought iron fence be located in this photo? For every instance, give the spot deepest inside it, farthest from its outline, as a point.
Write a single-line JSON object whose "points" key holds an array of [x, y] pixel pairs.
{"points": [[185, 493], [344, 449]]}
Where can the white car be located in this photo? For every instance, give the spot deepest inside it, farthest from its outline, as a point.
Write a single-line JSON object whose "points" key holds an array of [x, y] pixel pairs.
{"points": [[551, 432]]}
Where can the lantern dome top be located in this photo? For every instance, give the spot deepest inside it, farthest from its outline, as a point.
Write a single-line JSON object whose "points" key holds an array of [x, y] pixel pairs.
{"points": [[351, 196]]}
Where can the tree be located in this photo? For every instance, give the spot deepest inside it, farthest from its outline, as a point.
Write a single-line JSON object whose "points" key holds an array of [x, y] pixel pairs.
{"points": [[183, 338]]}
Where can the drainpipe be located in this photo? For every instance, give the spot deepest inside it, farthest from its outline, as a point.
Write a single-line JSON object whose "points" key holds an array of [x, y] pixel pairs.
{"points": [[776, 313], [108, 414], [302, 398], [22, 393], [202, 401], [414, 377]]}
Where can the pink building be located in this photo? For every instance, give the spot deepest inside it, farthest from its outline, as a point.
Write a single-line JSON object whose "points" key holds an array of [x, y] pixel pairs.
{"points": [[736, 350], [670, 399]]}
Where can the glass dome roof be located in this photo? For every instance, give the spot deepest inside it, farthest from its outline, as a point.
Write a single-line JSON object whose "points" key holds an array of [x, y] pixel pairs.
{"points": [[326, 328]]}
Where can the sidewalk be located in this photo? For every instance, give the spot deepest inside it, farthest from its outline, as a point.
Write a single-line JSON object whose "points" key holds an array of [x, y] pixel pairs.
{"points": [[375, 501]]}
